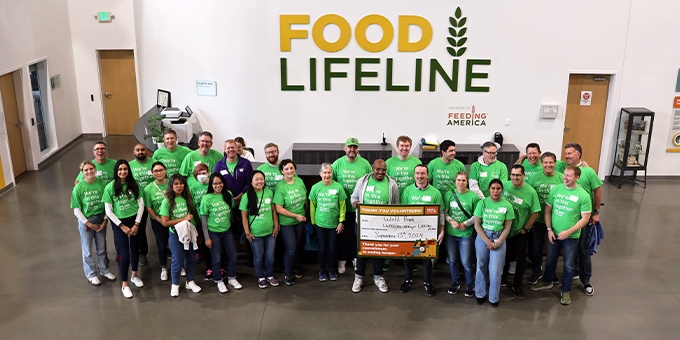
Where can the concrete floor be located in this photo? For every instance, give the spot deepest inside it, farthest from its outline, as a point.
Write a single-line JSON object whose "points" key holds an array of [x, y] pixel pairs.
{"points": [[44, 293]]}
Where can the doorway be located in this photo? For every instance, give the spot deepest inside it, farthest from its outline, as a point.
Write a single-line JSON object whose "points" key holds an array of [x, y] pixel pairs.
{"points": [[13, 123], [119, 91], [585, 114], [37, 74]]}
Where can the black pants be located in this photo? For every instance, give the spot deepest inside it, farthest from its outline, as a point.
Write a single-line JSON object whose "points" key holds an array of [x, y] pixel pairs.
{"points": [[427, 270], [515, 248]]}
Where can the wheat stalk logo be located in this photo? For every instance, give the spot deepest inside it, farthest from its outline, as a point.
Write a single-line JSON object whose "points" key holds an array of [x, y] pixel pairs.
{"points": [[457, 31]]}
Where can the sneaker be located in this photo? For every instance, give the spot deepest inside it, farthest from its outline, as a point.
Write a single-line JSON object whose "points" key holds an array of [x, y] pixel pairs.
{"points": [[289, 280], [222, 287], [589, 290], [208, 275], [356, 286], [164, 274], [183, 273], [387, 264], [577, 277], [406, 286], [341, 267], [298, 274], [193, 286], [517, 292], [542, 285], [95, 281], [513, 268], [533, 279], [480, 301], [429, 290], [137, 281], [273, 281], [322, 276], [380, 282], [234, 283], [454, 288], [556, 280], [495, 304], [127, 292], [109, 276], [469, 291], [333, 276], [174, 291], [262, 283], [142, 260], [565, 298]]}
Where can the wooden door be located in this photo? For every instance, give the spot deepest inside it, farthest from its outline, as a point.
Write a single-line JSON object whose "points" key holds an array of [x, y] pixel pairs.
{"points": [[119, 91], [584, 124], [13, 123]]}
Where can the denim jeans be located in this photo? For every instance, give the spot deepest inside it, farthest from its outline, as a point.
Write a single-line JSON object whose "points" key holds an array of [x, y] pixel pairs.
{"points": [[129, 248], [87, 237], [347, 247], [489, 267], [377, 267], [584, 267], [223, 241], [181, 258], [161, 232], [569, 248], [263, 251], [539, 231], [409, 265], [516, 249], [291, 235], [328, 252], [460, 248]]}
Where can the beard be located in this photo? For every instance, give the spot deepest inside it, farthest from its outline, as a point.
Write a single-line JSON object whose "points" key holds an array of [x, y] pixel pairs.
{"points": [[140, 156]]}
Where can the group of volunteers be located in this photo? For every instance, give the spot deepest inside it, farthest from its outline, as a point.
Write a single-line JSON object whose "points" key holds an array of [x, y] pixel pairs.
{"points": [[193, 198]]}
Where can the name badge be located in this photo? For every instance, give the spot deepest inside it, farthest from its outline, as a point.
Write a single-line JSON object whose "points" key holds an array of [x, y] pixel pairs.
{"points": [[370, 188], [224, 172], [502, 210], [196, 163], [332, 191], [427, 198], [483, 174], [99, 173], [518, 200], [278, 177], [240, 170], [267, 201], [573, 198]]}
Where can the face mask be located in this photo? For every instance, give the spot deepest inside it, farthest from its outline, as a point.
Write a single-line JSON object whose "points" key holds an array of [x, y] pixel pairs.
{"points": [[202, 178]]}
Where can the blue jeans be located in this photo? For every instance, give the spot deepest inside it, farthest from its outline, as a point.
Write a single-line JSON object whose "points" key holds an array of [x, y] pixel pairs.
{"points": [[489, 267], [377, 267], [161, 232], [539, 231], [328, 248], [263, 250], [129, 247], [223, 241], [462, 246], [291, 235], [569, 247], [87, 237], [181, 258]]}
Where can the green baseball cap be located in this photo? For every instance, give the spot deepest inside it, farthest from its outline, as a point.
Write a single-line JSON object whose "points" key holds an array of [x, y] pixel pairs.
{"points": [[352, 141]]}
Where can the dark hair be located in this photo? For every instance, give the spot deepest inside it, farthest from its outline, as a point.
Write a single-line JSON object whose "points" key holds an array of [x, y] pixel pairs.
{"points": [[519, 166], [158, 163], [252, 196], [496, 180], [421, 165], [575, 146], [286, 162], [170, 131], [533, 145], [549, 154], [226, 195], [445, 145], [186, 194], [488, 144], [206, 133], [132, 187]]}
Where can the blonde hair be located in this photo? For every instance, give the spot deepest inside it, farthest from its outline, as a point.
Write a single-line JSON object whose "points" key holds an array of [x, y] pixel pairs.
{"points": [[84, 163]]}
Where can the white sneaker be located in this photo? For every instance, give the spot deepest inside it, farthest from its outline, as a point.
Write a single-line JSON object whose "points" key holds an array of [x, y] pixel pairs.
{"points": [[164, 274], [222, 287], [127, 292], [95, 281], [109, 276], [174, 291], [234, 283], [382, 285], [183, 273], [356, 287], [341, 267], [193, 286], [137, 281], [512, 268]]}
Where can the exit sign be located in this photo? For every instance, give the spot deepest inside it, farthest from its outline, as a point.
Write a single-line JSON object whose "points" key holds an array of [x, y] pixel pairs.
{"points": [[104, 16]]}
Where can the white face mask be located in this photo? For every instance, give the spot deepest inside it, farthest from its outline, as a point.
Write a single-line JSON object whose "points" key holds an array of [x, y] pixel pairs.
{"points": [[202, 178]]}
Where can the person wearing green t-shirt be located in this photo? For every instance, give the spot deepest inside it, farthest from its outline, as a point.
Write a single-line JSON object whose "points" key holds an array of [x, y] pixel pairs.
{"points": [[261, 226], [198, 187], [327, 200], [271, 170], [443, 170], [154, 193], [526, 206], [459, 207], [290, 198], [140, 167], [402, 166], [493, 220], [124, 206], [346, 171], [532, 164], [88, 207], [215, 211], [172, 155], [204, 154], [567, 211], [103, 165], [178, 212], [485, 169]]}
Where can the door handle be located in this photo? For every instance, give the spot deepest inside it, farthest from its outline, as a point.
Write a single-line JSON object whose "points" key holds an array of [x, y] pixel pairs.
{"points": [[19, 124], [566, 128], [107, 95]]}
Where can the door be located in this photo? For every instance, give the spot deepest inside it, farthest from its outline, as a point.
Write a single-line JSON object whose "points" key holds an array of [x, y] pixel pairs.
{"points": [[16, 141], [119, 89], [584, 118]]}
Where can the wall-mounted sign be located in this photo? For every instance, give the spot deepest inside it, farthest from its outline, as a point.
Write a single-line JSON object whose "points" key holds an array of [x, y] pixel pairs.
{"points": [[465, 115], [206, 87], [586, 98]]}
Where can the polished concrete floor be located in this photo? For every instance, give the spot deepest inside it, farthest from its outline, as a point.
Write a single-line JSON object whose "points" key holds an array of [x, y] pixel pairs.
{"points": [[44, 293]]}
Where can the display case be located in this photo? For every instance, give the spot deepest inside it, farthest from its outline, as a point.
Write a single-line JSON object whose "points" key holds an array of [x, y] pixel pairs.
{"points": [[632, 145]]}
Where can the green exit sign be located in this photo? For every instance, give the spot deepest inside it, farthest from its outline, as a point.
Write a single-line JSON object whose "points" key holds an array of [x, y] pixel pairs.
{"points": [[104, 16]]}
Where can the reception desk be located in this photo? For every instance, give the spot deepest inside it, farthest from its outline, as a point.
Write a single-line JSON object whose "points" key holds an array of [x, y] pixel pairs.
{"points": [[468, 154], [317, 153]]}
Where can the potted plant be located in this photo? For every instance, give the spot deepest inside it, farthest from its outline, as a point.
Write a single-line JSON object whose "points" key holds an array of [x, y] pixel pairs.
{"points": [[155, 129]]}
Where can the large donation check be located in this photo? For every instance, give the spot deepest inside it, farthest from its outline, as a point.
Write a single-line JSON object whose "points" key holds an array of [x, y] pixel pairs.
{"points": [[398, 231]]}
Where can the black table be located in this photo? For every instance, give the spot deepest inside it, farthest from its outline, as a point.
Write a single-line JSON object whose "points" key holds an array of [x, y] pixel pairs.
{"points": [[317, 153], [468, 154]]}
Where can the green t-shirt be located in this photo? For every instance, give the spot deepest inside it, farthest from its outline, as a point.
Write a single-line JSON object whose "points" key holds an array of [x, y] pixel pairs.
{"points": [[567, 207], [292, 197], [218, 212], [103, 171], [153, 197], [142, 172], [560, 166], [469, 200], [88, 197], [263, 223], [543, 184], [531, 170], [197, 190], [524, 202], [125, 205], [485, 173], [430, 196], [231, 166], [327, 200], [402, 171], [589, 181], [272, 175], [348, 173], [181, 209], [193, 158], [443, 176], [494, 214], [172, 159], [377, 192]]}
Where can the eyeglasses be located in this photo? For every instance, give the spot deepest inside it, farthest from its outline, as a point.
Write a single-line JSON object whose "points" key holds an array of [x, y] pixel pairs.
{"points": [[158, 171], [491, 153], [516, 175], [217, 184], [271, 152]]}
